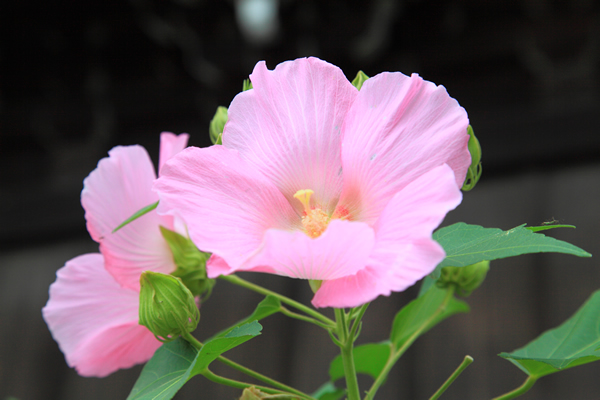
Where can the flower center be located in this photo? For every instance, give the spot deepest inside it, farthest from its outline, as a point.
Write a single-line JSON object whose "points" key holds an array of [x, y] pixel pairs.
{"points": [[314, 220]]}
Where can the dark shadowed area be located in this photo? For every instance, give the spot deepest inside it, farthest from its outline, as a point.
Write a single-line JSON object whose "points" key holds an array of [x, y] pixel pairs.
{"points": [[78, 78]]}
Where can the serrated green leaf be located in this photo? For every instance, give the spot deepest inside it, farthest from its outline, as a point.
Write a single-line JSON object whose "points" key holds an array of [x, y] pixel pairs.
{"points": [[412, 316], [174, 363], [136, 215], [575, 342], [329, 392], [369, 359], [268, 306], [468, 244]]}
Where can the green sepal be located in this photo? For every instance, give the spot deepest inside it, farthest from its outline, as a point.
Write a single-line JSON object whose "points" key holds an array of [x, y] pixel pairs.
{"points": [[190, 262], [575, 342], [136, 215], [246, 85], [475, 169], [360, 78], [217, 124]]}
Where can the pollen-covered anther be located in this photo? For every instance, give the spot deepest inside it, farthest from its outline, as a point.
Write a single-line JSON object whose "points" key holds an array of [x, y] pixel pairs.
{"points": [[314, 220]]}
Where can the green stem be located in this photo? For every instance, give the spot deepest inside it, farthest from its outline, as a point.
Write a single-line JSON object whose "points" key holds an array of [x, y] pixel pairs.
{"points": [[529, 382], [346, 345], [466, 362], [208, 374], [236, 280], [394, 356], [357, 320], [301, 317], [251, 373]]}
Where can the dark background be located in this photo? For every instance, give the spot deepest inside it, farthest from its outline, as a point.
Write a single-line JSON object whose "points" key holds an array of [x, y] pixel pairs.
{"points": [[77, 78]]}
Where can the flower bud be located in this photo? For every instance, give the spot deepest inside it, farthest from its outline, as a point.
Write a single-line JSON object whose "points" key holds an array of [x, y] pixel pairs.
{"points": [[474, 171], [167, 307], [217, 124], [466, 278]]}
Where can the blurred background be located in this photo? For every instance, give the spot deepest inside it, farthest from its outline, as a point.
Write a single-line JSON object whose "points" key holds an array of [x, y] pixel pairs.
{"points": [[77, 78]]}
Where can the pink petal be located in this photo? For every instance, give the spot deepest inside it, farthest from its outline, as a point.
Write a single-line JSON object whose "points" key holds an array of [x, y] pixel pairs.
{"points": [[95, 320], [170, 144], [326, 257], [404, 250], [289, 127], [113, 192], [226, 203], [399, 128]]}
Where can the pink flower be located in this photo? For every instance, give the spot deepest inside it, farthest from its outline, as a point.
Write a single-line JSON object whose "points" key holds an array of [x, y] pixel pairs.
{"points": [[93, 307], [316, 180]]}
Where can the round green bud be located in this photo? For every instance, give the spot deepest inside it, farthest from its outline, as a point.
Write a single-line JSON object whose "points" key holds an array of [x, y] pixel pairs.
{"points": [[167, 307], [466, 278]]}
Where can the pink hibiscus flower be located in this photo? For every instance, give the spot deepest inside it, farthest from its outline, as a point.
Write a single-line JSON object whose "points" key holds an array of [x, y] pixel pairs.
{"points": [[317, 180], [92, 311]]}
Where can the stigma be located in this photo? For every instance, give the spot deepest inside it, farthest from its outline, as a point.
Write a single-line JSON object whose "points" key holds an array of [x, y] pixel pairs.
{"points": [[314, 220]]}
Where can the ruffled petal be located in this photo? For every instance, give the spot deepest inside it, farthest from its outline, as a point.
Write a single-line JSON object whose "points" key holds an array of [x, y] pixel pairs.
{"points": [[289, 127], [326, 257], [226, 203], [404, 251], [113, 192], [95, 320], [170, 144], [399, 128]]}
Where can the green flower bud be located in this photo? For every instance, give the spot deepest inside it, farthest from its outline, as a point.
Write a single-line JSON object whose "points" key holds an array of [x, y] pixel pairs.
{"points": [[466, 278], [167, 307], [217, 124], [191, 263], [474, 171], [360, 78]]}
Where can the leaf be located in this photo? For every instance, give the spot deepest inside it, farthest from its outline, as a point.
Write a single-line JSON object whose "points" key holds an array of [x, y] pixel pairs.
{"points": [[369, 359], [575, 342], [546, 227], [329, 392], [412, 316], [468, 244], [136, 215], [268, 306], [174, 363]]}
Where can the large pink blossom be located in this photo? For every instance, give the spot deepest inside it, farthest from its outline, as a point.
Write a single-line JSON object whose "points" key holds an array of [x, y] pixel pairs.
{"points": [[317, 180], [92, 311]]}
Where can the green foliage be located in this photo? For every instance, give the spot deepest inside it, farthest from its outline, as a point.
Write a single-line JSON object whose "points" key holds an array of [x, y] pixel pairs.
{"points": [[176, 362], [268, 306], [136, 215], [369, 359], [190, 262], [475, 169], [418, 312], [217, 124], [546, 227], [469, 244], [360, 78], [329, 392], [575, 342], [466, 279]]}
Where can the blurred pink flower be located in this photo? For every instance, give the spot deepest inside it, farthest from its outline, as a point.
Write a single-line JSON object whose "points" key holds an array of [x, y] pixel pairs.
{"points": [[92, 311], [317, 180]]}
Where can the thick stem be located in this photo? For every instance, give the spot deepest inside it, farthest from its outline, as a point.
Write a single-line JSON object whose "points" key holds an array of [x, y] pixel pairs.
{"points": [[466, 362], [399, 352], [529, 382], [346, 346], [236, 280]]}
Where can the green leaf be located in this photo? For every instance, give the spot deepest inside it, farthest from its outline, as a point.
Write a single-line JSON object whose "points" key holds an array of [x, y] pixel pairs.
{"points": [[468, 244], [269, 306], [546, 227], [136, 215], [575, 342], [369, 359], [412, 316], [329, 392], [360, 78], [174, 363]]}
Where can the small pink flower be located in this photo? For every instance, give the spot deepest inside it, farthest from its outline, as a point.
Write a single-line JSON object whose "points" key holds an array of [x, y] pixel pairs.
{"points": [[92, 311], [316, 180]]}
